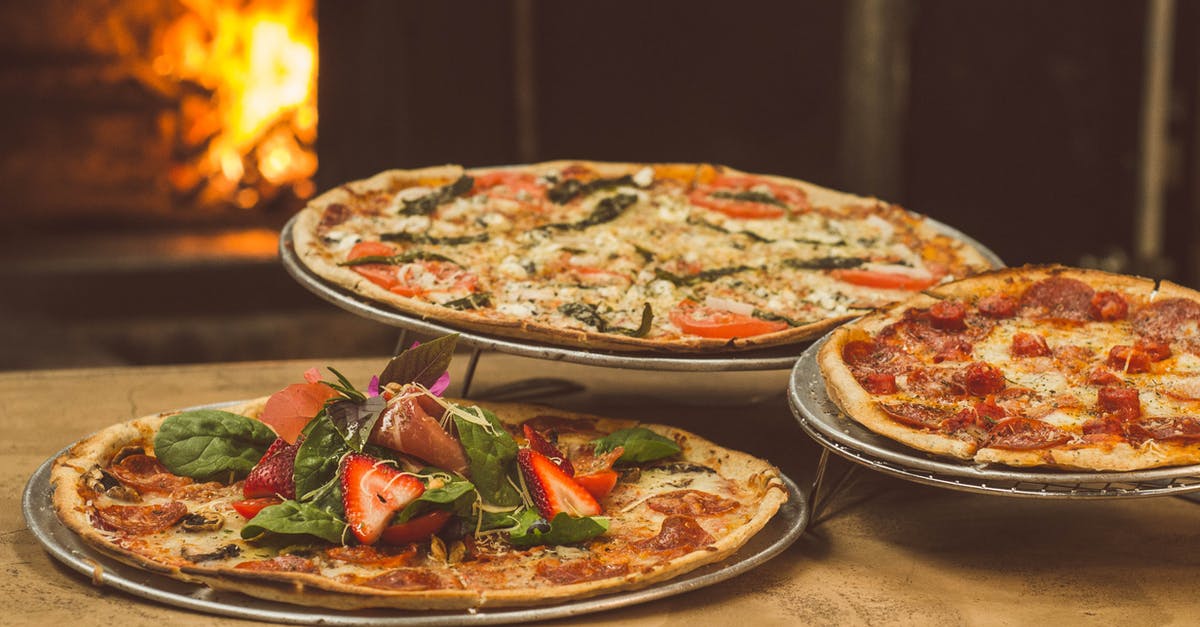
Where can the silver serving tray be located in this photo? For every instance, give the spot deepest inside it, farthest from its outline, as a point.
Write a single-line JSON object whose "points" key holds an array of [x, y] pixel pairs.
{"points": [[784, 528], [775, 358], [821, 418]]}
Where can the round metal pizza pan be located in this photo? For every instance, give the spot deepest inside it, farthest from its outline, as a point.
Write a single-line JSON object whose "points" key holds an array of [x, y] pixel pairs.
{"points": [[780, 532], [821, 418], [775, 358]]}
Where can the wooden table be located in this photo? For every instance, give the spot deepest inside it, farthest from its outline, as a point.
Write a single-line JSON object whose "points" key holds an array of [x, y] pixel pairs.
{"points": [[885, 551]]}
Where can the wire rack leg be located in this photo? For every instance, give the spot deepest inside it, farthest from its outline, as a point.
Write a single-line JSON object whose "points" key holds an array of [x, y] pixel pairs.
{"points": [[816, 501], [401, 342], [470, 373]]}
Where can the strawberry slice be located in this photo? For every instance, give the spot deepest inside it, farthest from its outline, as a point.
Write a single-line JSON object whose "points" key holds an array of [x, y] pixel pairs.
{"points": [[417, 528], [553, 491], [249, 508], [273, 474], [372, 492], [595, 472], [539, 443]]}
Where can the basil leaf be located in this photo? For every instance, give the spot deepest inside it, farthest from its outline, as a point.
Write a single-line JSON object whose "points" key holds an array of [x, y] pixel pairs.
{"points": [[420, 364], [354, 420], [563, 529], [318, 457], [210, 444], [492, 454], [641, 445], [295, 518]]}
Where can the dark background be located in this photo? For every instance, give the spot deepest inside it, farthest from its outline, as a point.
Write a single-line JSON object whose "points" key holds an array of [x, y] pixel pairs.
{"points": [[1015, 121]]}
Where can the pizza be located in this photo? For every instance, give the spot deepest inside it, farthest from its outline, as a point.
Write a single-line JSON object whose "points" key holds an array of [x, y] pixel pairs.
{"points": [[634, 257], [323, 495], [1034, 366]]}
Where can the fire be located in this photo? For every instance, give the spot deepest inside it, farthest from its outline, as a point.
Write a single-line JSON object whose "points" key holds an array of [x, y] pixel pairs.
{"points": [[248, 115]]}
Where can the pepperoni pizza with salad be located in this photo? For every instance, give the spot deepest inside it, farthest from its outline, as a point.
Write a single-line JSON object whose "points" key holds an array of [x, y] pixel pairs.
{"points": [[636, 257], [1034, 366], [323, 494]]}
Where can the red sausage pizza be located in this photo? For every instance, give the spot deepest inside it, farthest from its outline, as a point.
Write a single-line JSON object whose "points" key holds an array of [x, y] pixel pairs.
{"points": [[1034, 366]]}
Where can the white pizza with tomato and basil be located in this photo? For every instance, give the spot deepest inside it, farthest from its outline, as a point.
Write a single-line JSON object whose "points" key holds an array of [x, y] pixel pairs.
{"points": [[325, 495], [1033, 366], [674, 257]]}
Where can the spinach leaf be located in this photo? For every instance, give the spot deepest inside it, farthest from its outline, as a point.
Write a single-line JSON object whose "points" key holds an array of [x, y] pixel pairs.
{"points": [[400, 259], [420, 364], [825, 263], [606, 210], [354, 419], [210, 444], [573, 188], [477, 300], [427, 203], [700, 277], [641, 445], [588, 314], [456, 495], [563, 529], [422, 238], [750, 196], [295, 518], [492, 454], [318, 457]]}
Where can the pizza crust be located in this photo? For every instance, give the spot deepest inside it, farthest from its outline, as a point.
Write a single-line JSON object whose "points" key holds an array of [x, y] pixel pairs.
{"points": [[317, 258], [861, 406], [757, 477]]}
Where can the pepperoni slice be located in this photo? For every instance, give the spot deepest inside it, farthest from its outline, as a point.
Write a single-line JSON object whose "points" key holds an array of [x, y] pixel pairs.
{"points": [[870, 356], [1104, 425], [974, 422], [369, 555], [1108, 306], [916, 415], [948, 315], [691, 503], [1168, 320], [677, 534], [1128, 359], [1029, 345], [1058, 298], [936, 383], [1103, 376], [577, 571], [281, 564], [878, 382], [1164, 429], [1155, 350], [983, 379], [997, 306], [146, 474], [412, 579], [1023, 434], [1073, 359], [140, 520], [1121, 402]]}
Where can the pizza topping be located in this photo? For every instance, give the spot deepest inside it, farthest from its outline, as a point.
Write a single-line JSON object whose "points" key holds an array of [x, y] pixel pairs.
{"points": [[146, 474], [1168, 320], [983, 379], [888, 277], [749, 198], [916, 414], [372, 492], [1121, 402], [1029, 345], [948, 315], [1164, 429], [281, 564], [871, 356], [195, 523], [878, 382], [386, 557], [405, 426], [1020, 434], [540, 444], [935, 383], [273, 474], [426, 204], [1103, 376], [552, 490], [690, 503], [1128, 359], [290, 409], [677, 534], [413, 579], [140, 520], [997, 306], [249, 508], [1058, 298], [696, 319], [568, 572], [1108, 306], [573, 188], [417, 528]]}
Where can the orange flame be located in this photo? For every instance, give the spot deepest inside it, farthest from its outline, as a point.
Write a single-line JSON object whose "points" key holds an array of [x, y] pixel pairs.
{"points": [[251, 111]]}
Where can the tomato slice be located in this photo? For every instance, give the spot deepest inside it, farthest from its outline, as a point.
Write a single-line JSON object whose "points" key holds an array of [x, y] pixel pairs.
{"points": [[417, 528], [598, 484], [521, 186], [710, 197], [716, 323], [249, 508], [370, 249], [882, 279]]}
